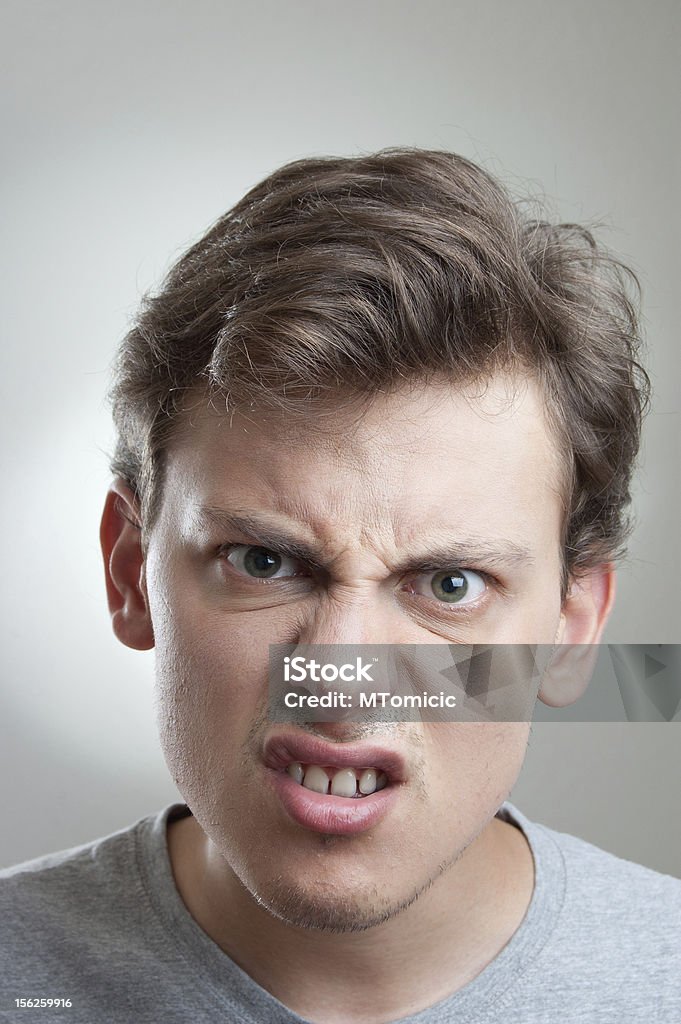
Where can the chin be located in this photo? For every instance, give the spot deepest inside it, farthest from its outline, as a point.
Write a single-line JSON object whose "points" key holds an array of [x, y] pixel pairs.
{"points": [[331, 910], [338, 901]]}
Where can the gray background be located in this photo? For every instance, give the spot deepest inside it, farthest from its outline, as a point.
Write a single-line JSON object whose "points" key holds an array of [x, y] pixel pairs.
{"points": [[127, 129]]}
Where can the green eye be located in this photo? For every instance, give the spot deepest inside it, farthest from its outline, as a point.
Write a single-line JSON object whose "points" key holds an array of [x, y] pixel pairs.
{"points": [[259, 563], [452, 586]]}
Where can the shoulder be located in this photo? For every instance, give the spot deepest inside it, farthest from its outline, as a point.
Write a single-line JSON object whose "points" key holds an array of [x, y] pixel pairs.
{"points": [[602, 883], [68, 887], [86, 923], [82, 895], [612, 915], [94, 884], [65, 865], [607, 931], [596, 879]]}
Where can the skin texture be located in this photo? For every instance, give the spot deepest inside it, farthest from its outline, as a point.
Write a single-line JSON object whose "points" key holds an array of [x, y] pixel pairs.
{"points": [[417, 906]]}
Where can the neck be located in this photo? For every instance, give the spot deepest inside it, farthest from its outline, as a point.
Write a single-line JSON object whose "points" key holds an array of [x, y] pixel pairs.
{"points": [[415, 959]]}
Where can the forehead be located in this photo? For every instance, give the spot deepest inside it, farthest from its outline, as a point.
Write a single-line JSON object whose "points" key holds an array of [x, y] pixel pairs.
{"points": [[478, 459]]}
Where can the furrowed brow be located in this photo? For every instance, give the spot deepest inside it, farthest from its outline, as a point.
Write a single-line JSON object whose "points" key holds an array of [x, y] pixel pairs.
{"points": [[269, 536], [464, 554], [459, 554]]}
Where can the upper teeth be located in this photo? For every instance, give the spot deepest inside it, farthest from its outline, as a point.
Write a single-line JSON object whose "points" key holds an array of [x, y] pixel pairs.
{"points": [[347, 782]]}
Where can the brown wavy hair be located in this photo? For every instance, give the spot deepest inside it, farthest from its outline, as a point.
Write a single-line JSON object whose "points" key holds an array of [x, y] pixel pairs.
{"points": [[346, 276]]}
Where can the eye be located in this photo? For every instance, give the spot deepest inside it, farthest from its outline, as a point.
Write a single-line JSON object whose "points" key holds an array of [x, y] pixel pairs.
{"points": [[259, 563], [452, 586]]}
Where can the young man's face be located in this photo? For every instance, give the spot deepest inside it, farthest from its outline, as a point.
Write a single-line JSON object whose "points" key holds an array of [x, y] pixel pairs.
{"points": [[439, 468]]}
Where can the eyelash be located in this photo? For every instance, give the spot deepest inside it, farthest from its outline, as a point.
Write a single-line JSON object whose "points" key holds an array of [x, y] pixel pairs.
{"points": [[491, 582]]}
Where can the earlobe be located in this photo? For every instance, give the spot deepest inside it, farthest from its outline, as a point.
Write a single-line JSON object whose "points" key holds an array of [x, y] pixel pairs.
{"points": [[124, 566], [582, 621]]}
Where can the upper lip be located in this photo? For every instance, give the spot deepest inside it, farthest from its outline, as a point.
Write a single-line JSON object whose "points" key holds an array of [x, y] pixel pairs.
{"points": [[286, 748]]}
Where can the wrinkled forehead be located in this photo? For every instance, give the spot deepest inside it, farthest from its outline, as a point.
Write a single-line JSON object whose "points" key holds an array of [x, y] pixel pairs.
{"points": [[475, 447]]}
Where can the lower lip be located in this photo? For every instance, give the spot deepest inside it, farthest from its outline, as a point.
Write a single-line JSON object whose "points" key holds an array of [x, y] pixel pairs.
{"points": [[332, 815]]}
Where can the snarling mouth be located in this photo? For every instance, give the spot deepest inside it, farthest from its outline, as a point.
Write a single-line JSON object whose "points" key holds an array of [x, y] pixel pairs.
{"points": [[353, 783]]}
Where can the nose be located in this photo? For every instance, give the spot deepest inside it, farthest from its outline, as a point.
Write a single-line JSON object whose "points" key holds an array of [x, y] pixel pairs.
{"points": [[360, 620], [354, 614]]}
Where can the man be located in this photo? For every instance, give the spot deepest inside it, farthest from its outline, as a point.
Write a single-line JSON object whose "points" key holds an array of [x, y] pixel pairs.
{"points": [[372, 405]]}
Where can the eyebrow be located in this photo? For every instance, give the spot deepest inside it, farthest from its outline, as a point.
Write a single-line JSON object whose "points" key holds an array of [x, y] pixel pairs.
{"points": [[460, 553]]}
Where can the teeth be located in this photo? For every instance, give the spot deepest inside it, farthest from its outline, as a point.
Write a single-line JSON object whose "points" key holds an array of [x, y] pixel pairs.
{"points": [[296, 772], [316, 779], [346, 782], [367, 781]]}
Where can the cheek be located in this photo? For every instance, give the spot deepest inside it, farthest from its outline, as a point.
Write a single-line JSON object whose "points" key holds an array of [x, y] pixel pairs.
{"points": [[480, 762], [212, 686]]}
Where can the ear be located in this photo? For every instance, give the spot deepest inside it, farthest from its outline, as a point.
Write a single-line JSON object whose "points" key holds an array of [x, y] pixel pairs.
{"points": [[120, 535], [583, 617]]}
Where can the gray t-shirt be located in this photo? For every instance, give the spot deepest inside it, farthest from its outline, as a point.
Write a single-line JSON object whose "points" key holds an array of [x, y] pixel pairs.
{"points": [[104, 926]]}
